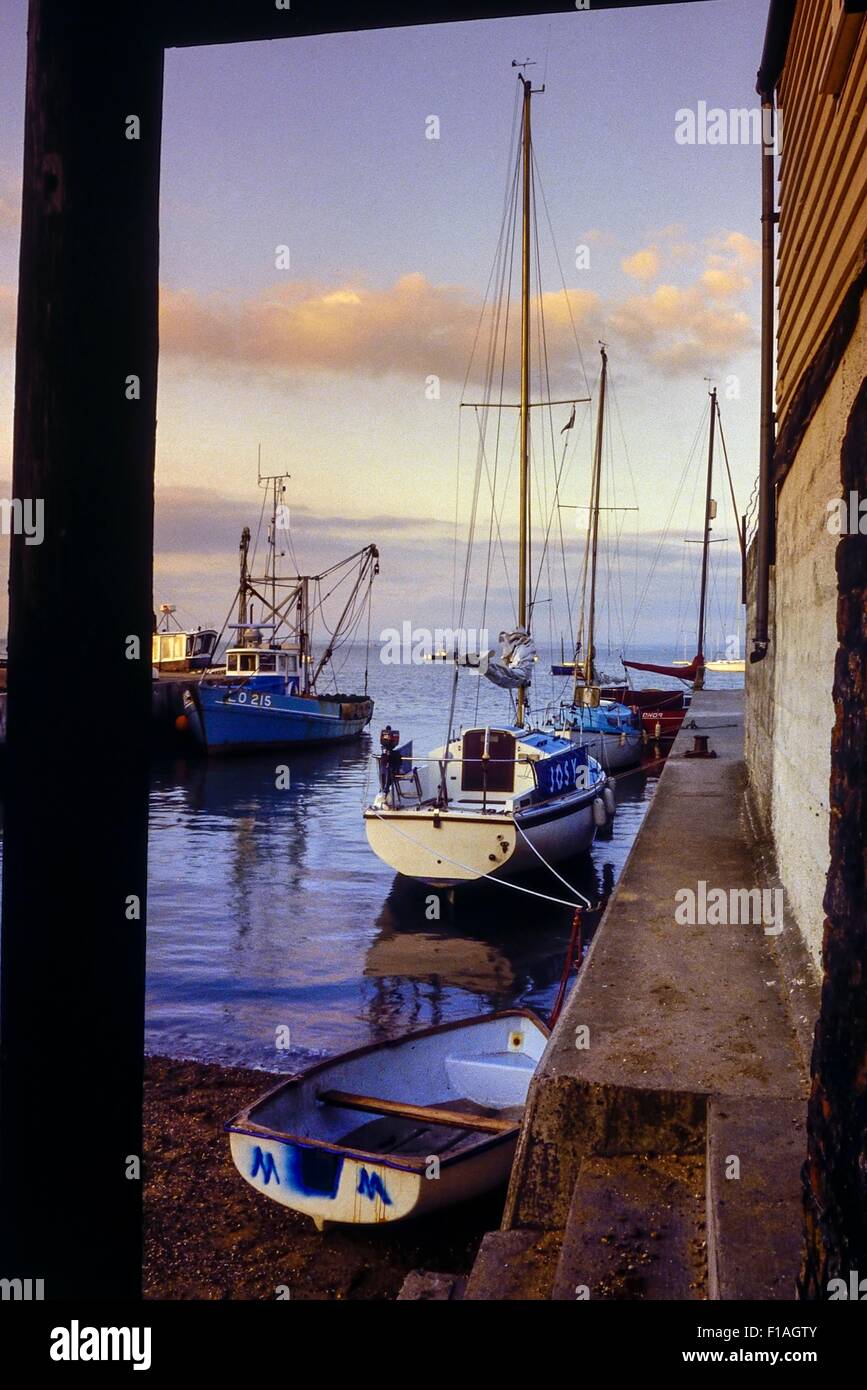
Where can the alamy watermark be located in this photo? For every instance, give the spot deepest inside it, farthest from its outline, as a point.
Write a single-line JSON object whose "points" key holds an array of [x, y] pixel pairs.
{"points": [[742, 125], [730, 907], [846, 517], [22, 1290], [23, 517], [408, 645]]}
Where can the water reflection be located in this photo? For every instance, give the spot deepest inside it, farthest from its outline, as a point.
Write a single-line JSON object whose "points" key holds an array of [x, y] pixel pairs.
{"points": [[267, 910]]}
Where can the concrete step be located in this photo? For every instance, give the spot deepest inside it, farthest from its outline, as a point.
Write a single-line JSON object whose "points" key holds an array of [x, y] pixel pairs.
{"points": [[755, 1149], [635, 1230], [428, 1286], [516, 1264]]}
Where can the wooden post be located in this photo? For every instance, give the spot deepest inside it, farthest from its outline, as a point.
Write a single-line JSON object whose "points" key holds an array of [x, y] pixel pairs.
{"points": [[75, 859]]}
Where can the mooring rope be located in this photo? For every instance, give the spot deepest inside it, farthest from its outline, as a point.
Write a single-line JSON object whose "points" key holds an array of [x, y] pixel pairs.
{"points": [[503, 883]]}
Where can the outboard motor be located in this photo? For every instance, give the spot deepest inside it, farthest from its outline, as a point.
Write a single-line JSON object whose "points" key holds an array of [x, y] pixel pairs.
{"points": [[389, 758]]}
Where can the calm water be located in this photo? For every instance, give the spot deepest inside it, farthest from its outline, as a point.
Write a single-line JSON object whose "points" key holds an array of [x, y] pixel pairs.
{"points": [[268, 911]]}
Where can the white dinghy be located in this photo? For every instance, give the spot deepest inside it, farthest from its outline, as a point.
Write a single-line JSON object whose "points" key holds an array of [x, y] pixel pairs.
{"points": [[396, 1129]]}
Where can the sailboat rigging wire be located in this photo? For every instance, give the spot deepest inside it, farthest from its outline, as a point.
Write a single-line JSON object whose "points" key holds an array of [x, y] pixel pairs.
{"points": [[456, 863], [562, 278], [729, 475], [663, 538]]}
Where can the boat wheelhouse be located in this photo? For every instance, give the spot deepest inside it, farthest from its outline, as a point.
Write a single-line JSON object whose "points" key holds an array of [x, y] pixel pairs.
{"points": [[183, 651]]}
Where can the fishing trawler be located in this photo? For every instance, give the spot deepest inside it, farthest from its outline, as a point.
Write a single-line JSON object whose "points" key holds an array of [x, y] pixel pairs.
{"points": [[496, 799], [177, 651], [266, 696]]}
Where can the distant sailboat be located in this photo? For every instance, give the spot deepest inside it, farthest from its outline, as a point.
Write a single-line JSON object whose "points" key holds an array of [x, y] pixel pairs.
{"points": [[669, 715], [609, 730], [497, 799]]}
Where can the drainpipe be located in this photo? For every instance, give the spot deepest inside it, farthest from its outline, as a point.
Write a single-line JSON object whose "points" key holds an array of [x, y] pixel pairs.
{"points": [[779, 26], [767, 500]]}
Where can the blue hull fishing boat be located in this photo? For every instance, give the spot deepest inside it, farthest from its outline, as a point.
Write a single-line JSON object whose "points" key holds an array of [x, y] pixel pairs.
{"points": [[254, 717], [266, 696]]}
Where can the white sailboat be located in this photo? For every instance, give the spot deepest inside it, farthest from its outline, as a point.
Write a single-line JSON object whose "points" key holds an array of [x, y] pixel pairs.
{"points": [[494, 800], [609, 730]]}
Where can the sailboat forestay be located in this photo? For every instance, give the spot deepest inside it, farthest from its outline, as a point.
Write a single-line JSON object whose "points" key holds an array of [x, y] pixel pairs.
{"points": [[609, 729], [493, 801], [695, 669]]}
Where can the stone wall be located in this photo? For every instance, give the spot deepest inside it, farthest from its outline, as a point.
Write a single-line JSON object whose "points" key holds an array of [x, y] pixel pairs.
{"points": [[790, 712]]}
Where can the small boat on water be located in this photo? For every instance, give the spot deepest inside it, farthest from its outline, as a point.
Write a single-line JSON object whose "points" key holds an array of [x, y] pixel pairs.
{"points": [[694, 670], [609, 730], [729, 665], [495, 799], [177, 651], [396, 1129], [266, 695]]}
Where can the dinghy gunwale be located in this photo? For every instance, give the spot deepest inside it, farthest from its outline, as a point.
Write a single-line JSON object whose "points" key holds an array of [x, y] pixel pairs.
{"points": [[241, 1123]]}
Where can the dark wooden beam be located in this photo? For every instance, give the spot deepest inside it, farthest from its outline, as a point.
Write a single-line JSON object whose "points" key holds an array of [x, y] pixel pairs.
{"points": [[79, 705], [242, 21]]}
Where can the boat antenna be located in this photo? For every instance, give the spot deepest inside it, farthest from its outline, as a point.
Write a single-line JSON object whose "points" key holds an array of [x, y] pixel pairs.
{"points": [[277, 482]]}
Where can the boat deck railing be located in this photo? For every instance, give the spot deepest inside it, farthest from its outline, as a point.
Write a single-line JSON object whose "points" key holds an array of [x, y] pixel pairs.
{"points": [[396, 782]]}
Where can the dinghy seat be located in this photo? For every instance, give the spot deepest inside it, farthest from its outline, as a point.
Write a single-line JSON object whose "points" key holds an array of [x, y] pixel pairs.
{"points": [[454, 1114], [497, 1079], [419, 1138]]}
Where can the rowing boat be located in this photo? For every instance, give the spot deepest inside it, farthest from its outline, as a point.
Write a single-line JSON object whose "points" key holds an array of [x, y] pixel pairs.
{"points": [[395, 1129]]}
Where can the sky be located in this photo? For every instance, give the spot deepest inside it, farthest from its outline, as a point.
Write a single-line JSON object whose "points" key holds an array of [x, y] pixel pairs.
{"points": [[321, 146]]}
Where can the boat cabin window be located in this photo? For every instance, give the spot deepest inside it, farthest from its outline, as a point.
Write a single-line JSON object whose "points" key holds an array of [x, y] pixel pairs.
{"points": [[267, 661], [203, 643], [289, 663], [496, 773], [241, 661]]}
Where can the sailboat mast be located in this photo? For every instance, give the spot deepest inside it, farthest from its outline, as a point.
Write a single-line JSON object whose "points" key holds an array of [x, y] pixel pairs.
{"points": [[244, 585], [273, 549], [524, 484], [595, 491], [708, 507]]}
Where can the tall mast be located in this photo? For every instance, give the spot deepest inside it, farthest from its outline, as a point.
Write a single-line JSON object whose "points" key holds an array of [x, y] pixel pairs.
{"points": [[698, 683], [243, 586], [595, 491], [524, 519]]}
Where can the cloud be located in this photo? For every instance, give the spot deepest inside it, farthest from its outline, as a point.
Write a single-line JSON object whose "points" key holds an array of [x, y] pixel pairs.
{"points": [[733, 248], [723, 283], [8, 301], [10, 203], [681, 330], [411, 327], [203, 521], [642, 265], [414, 328]]}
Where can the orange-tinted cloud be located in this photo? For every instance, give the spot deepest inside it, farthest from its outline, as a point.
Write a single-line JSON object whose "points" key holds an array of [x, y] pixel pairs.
{"points": [[412, 328], [642, 265]]}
